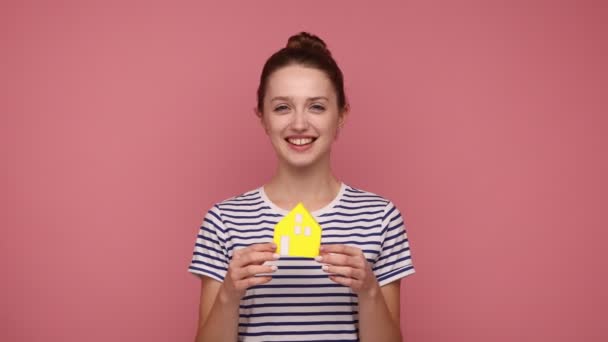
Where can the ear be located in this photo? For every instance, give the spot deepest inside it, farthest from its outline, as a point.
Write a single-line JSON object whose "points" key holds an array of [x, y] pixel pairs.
{"points": [[343, 115], [260, 116], [257, 112]]}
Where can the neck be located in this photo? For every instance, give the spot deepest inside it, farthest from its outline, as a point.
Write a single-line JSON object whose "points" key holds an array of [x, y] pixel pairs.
{"points": [[315, 186]]}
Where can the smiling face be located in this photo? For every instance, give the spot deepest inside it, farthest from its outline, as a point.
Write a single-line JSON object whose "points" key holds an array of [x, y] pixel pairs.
{"points": [[301, 115]]}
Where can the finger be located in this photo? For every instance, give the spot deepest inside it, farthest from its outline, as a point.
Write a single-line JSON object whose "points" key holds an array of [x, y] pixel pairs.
{"points": [[263, 247], [341, 260], [258, 247], [253, 270], [347, 272], [253, 281], [350, 282], [341, 249], [255, 258]]}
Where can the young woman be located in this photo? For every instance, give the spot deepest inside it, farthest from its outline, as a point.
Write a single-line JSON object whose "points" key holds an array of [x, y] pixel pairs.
{"points": [[351, 291]]}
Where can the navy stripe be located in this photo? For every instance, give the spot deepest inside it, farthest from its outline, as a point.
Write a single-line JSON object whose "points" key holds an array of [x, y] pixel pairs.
{"points": [[235, 245], [240, 204], [198, 262], [245, 210], [251, 217], [299, 276], [398, 216], [205, 271], [300, 295], [396, 252], [279, 305], [354, 243], [217, 217], [205, 247], [307, 340], [370, 251], [249, 230], [288, 313], [240, 237], [372, 197], [395, 272], [294, 286], [364, 201], [252, 197], [209, 238], [349, 228], [295, 258], [210, 257], [352, 234], [389, 228], [262, 324], [396, 235], [252, 224], [337, 213], [301, 332], [398, 225], [323, 223], [361, 207], [389, 213], [213, 224], [317, 267], [392, 262], [398, 243]]}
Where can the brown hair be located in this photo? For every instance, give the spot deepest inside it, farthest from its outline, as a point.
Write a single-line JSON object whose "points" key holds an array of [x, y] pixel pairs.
{"points": [[307, 50]]}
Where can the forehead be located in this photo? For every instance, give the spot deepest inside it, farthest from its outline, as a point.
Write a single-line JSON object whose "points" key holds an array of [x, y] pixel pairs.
{"points": [[297, 81]]}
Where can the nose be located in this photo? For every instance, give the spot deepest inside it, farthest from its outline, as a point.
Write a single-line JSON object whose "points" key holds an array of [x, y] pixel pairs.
{"points": [[300, 120]]}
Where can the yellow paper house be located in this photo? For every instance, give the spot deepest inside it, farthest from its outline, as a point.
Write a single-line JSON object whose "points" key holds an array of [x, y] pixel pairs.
{"points": [[298, 234]]}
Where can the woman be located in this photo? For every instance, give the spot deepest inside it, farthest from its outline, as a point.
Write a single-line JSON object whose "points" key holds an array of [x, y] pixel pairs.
{"points": [[351, 291]]}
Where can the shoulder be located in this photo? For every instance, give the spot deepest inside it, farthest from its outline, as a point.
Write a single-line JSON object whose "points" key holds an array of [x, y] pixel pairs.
{"points": [[358, 195], [248, 198]]}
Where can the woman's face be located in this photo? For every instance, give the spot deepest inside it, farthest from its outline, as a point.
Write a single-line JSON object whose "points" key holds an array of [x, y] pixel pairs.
{"points": [[301, 115]]}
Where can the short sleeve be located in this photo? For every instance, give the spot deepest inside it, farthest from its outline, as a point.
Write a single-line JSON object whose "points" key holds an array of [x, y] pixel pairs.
{"points": [[210, 257], [394, 261]]}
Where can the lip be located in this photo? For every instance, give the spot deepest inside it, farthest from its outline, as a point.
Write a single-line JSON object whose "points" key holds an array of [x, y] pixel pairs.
{"points": [[300, 148], [300, 137]]}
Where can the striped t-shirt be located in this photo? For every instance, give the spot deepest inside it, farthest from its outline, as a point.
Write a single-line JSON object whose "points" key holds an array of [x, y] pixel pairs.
{"points": [[301, 303]]}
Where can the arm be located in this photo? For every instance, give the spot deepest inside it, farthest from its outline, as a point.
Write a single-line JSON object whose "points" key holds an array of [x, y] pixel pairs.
{"points": [[379, 314], [378, 306], [218, 314], [379, 310], [219, 301]]}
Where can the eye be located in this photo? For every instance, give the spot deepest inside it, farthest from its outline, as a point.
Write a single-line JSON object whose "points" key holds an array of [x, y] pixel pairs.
{"points": [[281, 108], [317, 108]]}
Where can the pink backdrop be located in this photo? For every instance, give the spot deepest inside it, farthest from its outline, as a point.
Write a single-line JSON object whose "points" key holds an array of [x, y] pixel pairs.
{"points": [[123, 121]]}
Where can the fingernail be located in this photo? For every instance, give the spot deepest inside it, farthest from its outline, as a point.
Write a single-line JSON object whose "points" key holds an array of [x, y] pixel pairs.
{"points": [[321, 248], [318, 258], [325, 268], [275, 256], [273, 268]]}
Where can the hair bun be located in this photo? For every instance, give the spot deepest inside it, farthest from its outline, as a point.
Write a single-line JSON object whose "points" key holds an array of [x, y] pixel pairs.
{"points": [[306, 41]]}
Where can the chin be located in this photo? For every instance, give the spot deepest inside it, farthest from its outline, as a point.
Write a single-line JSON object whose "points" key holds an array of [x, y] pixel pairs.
{"points": [[299, 163]]}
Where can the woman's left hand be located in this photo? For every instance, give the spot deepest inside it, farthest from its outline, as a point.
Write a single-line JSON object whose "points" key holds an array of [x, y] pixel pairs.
{"points": [[347, 266]]}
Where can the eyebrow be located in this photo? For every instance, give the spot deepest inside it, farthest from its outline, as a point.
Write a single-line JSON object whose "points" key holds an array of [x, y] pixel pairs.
{"points": [[287, 98]]}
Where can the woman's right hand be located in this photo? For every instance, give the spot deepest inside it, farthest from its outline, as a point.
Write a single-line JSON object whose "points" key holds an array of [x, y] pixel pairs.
{"points": [[246, 263]]}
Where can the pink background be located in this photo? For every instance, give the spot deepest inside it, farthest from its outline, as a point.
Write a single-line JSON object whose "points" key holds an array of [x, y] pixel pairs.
{"points": [[124, 121]]}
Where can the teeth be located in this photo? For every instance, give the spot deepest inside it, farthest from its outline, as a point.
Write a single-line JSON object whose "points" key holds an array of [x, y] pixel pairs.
{"points": [[302, 141]]}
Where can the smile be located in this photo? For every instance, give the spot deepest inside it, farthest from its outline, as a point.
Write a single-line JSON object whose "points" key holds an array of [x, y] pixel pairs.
{"points": [[300, 141]]}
